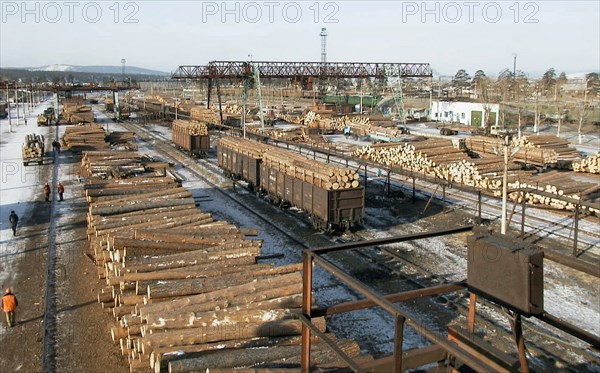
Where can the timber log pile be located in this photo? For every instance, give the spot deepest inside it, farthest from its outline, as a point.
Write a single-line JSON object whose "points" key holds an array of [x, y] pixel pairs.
{"points": [[119, 164], [560, 184], [122, 140], [325, 176], [203, 115], [75, 112], [86, 137], [33, 147], [190, 128], [537, 150], [564, 153], [541, 156], [185, 290], [441, 159], [589, 164]]}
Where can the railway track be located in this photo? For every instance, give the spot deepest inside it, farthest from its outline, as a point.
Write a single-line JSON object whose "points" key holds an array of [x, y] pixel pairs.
{"points": [[539, 223], [398, 264]]}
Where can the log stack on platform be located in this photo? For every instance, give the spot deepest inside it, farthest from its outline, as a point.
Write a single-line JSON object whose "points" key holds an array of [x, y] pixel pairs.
{"points": [[325, 176], [86, 137], [190, 128], [543, 151], [589, 164], [564, 154], [203, 115], [186, 291], [554, 183]]}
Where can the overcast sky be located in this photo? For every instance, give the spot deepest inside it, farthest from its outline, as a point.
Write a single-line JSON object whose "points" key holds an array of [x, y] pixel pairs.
{"points": [[162, 35]]}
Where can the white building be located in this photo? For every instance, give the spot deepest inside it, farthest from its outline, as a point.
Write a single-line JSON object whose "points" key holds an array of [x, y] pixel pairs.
{"points": [[467, 113]]}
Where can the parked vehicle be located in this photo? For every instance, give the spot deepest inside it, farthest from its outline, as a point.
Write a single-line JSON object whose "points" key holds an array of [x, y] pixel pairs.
{"points": [[33, 149]]}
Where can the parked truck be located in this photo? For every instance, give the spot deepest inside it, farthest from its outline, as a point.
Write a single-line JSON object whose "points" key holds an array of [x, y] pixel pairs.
{"points": [[33, 149]]}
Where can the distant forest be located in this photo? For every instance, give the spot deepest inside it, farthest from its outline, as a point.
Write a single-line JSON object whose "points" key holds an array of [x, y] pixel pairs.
{"points": [[61, 77]]}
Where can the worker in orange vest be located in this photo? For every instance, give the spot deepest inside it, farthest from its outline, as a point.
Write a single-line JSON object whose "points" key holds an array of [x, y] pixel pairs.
{"points": [[9, 306], [47, 191], [60, 189]]}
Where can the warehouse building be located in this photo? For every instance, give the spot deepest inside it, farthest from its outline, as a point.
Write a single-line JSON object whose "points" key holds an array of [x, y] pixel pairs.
{"points": [[467, 113]]}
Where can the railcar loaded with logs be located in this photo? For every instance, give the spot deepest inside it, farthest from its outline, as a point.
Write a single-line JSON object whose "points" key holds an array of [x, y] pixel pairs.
{"points": [[332, 196], [191, 137]]}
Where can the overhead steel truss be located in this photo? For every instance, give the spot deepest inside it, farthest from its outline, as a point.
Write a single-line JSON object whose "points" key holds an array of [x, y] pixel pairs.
{"points": [[241, 69]]}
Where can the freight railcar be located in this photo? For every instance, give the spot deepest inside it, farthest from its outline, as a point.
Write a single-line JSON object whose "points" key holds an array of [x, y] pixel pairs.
{"points": [[191, 137], [329, 209]]}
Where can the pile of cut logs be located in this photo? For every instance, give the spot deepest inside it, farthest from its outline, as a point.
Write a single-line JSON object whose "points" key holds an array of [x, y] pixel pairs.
{"points": [[536, 150], [203, 115], [33, 146], [190, 128], [86, 137], [76, 112], [588, 164], [556, 183], [185, 290], [440, 158], [119, 164], [550, 143], [323, 175]]}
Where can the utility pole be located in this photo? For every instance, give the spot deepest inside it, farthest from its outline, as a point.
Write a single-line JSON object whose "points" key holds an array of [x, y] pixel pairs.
{"points": [[504, 186], [8, 106], [17, 103], [515, 77]]}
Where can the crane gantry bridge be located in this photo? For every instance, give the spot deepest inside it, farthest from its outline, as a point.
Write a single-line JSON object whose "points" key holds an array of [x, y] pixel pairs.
{"points": [[297, 71]]}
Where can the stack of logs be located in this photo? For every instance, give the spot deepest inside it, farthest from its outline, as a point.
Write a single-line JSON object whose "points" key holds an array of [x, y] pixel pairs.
{"points": [[185, 289], [554, 183], [119, 164], [75, 112], [588, 164], [190, 128], [550, 143], [440, 158], [86, 137], [325, 176], [33, 147], [536, 150], [203, 115]]}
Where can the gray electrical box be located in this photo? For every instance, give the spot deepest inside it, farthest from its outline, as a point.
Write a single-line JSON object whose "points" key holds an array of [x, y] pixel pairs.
{"points": [[507, 271]]}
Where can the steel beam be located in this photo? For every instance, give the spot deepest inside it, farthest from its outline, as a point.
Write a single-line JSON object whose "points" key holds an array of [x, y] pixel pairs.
{"points": [[394, 239], [394, 298], [298, 70]]}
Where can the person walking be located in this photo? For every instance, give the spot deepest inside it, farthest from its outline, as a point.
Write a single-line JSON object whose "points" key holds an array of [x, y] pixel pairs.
{"points": [[60, 189], [9, 306], [14, 219], [47, 191]]}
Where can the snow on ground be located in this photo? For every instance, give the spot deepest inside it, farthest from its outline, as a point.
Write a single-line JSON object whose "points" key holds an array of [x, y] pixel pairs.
{"points": [[19, 185]]}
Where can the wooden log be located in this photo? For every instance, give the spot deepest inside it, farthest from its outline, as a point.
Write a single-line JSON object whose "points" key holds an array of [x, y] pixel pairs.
{"points": [[112, 210], [162, 321], [171, 288], [182, 260], [182, 337], [231, 358], [196, 271], [252, 287]]}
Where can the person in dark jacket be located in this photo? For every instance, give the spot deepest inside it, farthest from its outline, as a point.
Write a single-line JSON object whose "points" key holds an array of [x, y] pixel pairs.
{"points": [[60, 189], [14, 219], [9, 306], [47, 191]]}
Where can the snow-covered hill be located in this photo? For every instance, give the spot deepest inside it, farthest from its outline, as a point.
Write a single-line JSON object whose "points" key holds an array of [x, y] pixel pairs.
{"points": [[101, 69]]}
